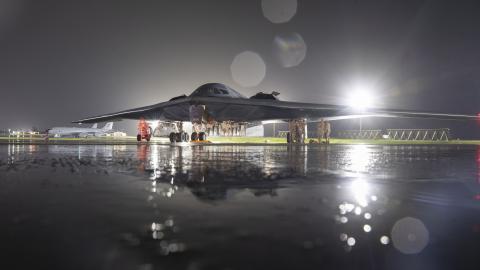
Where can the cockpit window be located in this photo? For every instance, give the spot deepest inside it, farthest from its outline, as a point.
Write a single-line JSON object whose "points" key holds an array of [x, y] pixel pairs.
{"points": [[216, 89]]}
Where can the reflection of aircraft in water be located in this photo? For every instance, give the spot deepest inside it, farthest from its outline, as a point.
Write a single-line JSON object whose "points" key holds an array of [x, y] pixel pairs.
{"points": [[80, 132], [86, 151], [215, 106], [213, 173], [209, 172]]}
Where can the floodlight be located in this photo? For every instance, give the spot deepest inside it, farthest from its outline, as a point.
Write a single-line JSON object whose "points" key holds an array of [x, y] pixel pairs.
{"points": [[361, 98]]}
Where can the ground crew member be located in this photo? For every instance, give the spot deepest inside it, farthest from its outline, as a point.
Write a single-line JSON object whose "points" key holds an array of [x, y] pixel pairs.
{"points": [[298, 132], [328, 130], [321, 131]]}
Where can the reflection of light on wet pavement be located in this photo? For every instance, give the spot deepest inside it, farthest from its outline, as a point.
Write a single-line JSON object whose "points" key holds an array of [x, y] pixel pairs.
{"points": [[162, 232], [409, 235], [10, 153], [157, 235], [358, 158], [249, 197], [351, 241], [358, 206], [14, 152], [384, 240], [154, 163], [360, 189]]}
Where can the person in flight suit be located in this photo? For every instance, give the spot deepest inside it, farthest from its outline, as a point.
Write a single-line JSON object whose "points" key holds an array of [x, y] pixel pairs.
{"points": [[328, 130], [321, 130]]}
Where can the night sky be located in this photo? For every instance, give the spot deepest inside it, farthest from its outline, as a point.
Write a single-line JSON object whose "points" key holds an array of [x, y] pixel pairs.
{"points": [[64, 60]]}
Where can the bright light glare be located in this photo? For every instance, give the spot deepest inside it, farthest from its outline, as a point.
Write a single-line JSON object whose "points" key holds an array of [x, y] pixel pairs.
{"points": [[361, 97], [360, 189]]}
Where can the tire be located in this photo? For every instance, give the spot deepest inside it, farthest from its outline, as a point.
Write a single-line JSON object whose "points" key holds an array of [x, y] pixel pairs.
{"points": [[178, 137], [202, 136], [289, 137], [148, 138], [139, 137], [172, 137], [194, 136]]}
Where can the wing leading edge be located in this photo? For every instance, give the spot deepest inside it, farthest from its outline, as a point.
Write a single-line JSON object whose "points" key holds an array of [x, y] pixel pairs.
{"points": [[246, 110]]}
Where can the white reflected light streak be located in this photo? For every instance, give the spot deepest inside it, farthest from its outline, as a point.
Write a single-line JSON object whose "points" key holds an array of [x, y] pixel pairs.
{"points": [[154, 162], [360, 189], [360, 159]]}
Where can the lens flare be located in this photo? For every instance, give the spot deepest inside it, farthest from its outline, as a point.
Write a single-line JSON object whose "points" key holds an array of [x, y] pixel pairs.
{"points": [[289, 49], [248, 69], [384, 240], [351, 241], [279, 11], [409, 235]]}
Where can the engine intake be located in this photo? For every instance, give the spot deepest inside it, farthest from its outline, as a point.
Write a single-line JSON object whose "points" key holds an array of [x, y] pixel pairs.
{"points": [[261, 95]]}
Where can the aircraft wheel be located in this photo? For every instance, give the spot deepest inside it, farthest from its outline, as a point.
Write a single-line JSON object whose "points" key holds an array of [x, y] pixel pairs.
{"points": [[139, 137], [202, 136], [194, 136], [172, 137], [184, 137], [178, 137], [148, 138]]}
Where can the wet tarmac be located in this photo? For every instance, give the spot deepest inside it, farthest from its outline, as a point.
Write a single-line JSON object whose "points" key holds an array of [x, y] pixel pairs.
{"points": [[239, 207]]}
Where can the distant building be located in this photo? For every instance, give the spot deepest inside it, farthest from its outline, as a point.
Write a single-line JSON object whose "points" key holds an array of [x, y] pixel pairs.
{"points": [[22, 133]]}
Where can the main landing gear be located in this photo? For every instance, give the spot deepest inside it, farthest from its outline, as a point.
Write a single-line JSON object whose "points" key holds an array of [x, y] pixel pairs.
{"points": [[183, 137], [198, 136], [178, 137]]}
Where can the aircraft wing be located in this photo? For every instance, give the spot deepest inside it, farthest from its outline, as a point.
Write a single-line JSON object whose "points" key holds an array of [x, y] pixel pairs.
{"points": [[249, 110], [171, 110]]}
